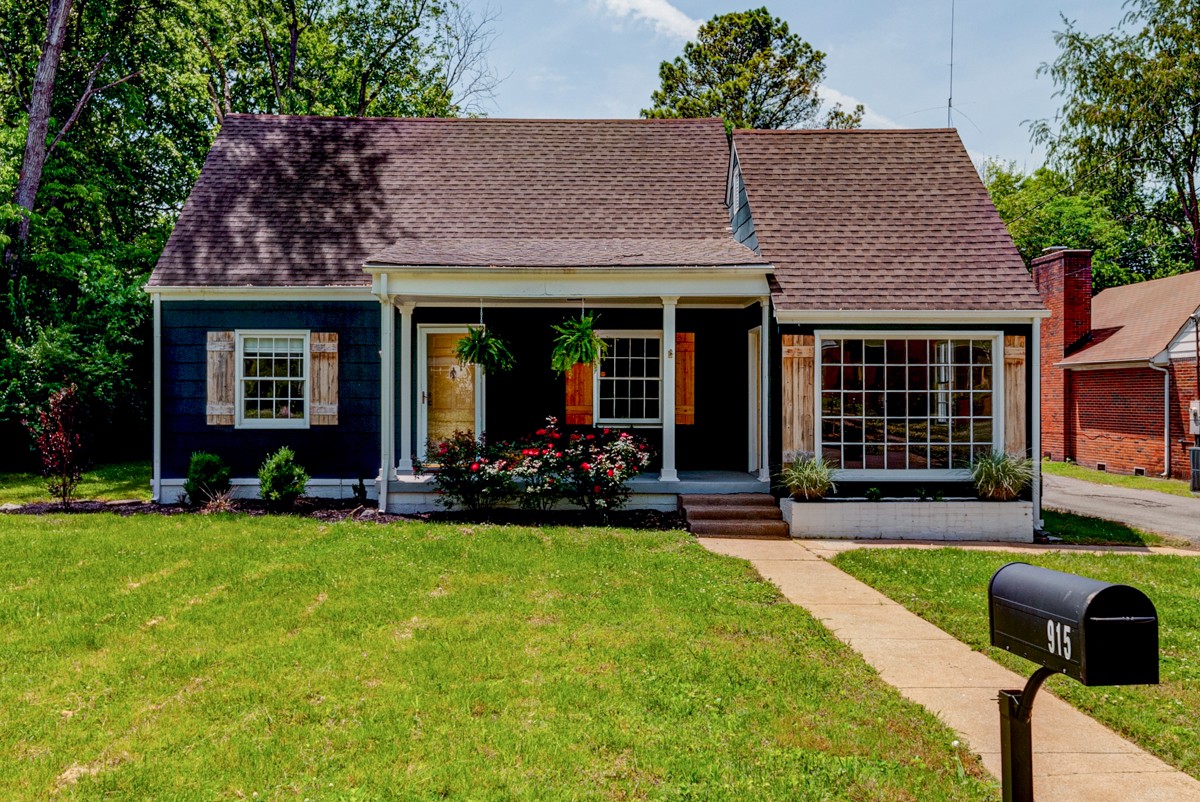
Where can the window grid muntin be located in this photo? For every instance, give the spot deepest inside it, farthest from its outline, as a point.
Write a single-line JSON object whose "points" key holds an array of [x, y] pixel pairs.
{"points": [[907, 402], [272, 369], [629, 379]]}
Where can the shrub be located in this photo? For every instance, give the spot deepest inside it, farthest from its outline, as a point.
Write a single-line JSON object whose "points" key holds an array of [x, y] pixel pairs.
{"points": [[599, 463], [471, 473], [541, 469], [207, 477], [808, 478], [1001, 477], [280, 480], [60, 444]]}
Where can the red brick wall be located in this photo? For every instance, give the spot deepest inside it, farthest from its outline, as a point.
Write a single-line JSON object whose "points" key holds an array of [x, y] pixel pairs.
{"points": [[1183, 391], [1118, 416], [1064, 279]]}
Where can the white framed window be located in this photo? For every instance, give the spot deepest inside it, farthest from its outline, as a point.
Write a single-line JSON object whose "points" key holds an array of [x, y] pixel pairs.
{"points": [[908, 404], [628, 386], [272, 379]]}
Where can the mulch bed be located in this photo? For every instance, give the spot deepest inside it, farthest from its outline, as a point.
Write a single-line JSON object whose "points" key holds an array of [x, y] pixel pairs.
{"points": [[349, 509]]}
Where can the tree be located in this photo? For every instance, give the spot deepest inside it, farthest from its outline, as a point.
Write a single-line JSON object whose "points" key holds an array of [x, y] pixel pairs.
{"points": [[748, 68], [1130, 120], [60, 444]]}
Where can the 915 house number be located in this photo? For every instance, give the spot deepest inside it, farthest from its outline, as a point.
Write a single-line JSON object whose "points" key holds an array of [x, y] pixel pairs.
{"points": [[1058, 639]]}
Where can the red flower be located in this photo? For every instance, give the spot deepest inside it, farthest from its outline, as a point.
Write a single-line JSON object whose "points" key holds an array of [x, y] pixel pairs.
{"points": [[574, 437], [610, 471], [558, 453], [591, 437], [596, 489], [555, 435], [606, 430], [474, 466], [540, 432], [586, 467]]}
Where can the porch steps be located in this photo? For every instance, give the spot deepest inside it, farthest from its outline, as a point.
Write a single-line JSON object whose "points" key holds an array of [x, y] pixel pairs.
{"points": [[748, 515]]}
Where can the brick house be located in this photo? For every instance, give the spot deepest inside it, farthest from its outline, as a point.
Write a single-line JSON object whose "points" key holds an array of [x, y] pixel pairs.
{"points": [[1118, 369]]}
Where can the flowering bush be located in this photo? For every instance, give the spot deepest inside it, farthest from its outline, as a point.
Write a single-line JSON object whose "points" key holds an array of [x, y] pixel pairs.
{"points": [[599, 463], [471, 473], [540, 468]]}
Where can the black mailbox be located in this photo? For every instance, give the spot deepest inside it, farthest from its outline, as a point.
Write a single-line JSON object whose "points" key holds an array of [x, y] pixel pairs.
{"points": [[1095, 632]]}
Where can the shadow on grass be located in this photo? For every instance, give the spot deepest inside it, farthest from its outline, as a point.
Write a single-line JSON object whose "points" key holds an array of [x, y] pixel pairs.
{"points": [[1084, 530]]}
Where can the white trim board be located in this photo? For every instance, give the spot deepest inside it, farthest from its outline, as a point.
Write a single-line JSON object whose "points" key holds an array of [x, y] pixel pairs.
{"points": [[908, 316], [642, 283], [261, 293]]}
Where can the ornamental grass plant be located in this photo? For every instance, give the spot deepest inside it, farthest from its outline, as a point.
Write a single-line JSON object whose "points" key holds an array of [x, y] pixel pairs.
{"points": [[808, 478], [1001, 477]]}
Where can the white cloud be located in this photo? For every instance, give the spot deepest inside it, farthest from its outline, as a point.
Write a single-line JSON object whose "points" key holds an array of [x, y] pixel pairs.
{"points": [[871, 119], [666, 18]]}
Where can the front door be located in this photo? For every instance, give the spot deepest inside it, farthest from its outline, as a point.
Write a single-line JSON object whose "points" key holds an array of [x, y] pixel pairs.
{"points": [[451, 394], [754, 381]]}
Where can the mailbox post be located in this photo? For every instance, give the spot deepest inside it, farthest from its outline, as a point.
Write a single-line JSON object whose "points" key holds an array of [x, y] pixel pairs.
{"points": [[1095, 632]]}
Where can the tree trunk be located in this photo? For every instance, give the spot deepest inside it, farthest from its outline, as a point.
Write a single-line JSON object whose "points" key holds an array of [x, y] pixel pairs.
{"points": [[30, 178]]}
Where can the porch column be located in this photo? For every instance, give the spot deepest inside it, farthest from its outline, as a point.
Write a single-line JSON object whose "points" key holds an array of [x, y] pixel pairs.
{"points": [[1034, 366], [405, 465], [668, 391], [387, 391], [764, 379]]}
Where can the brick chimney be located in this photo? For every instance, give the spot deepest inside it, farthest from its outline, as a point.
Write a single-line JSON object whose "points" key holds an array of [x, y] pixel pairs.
{"points": [[1064, 278]]}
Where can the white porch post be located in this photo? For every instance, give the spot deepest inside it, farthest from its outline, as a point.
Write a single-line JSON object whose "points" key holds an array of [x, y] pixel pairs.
{"points": [[1035, 418], [668, 387], [764, 379], [405, 466], [387, 391], [156, 470]]}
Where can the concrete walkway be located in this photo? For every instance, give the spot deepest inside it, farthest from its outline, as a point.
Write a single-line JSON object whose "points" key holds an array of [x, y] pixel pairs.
{"points": [[1145, 509], [1076, 759]]}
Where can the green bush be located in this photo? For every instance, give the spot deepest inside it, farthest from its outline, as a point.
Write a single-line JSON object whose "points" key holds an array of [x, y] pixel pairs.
{"points": [[1001, 477], [207, 478], [280, 480], [808, 478]]}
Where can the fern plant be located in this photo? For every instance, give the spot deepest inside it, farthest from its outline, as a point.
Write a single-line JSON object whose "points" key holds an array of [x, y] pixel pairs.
{"points": [[480, 346], [1001, 477], [577, 344]]}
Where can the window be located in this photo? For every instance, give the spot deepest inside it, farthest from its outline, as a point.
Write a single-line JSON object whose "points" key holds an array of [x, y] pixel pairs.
{"points": [[629, 383], [908, 403], [272, 379]]}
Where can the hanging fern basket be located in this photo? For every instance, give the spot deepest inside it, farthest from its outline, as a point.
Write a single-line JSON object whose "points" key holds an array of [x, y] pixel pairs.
{"points": [[577, 344], [479, 346]]}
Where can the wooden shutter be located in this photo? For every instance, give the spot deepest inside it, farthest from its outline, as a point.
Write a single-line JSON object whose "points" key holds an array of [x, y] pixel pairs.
{"points": [[685, 377], [323, 378], [1014, 396], [799, 364], [219, 402], [579, 395]]}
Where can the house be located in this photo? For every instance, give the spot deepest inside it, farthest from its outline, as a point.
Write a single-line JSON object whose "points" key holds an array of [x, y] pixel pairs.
{"points": [[1118, 369], [849, 293]]}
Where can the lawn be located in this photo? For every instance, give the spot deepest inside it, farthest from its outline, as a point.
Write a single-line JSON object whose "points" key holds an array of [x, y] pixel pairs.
{"points": [[1085, 530], [223, 657], [949, 588], [1174, 487], [121, 480]]}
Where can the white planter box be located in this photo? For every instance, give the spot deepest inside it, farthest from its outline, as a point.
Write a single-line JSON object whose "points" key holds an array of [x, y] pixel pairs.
{"points": [[1009, 521]]}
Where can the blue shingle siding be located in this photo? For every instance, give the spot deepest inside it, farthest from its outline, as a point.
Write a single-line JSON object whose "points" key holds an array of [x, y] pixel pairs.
{"points": [[740, 219], [349, 450]]}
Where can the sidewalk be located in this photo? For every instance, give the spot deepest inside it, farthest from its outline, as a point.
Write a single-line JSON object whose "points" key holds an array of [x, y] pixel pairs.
{"points": [[1076, 759]]}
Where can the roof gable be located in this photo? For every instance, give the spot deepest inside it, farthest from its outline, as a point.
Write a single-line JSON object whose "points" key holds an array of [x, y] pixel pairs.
{"points": [[879, 220]]}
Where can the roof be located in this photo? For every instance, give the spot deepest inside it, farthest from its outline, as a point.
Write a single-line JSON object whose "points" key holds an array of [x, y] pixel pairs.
{"points": [[1136, 322], [879, 220], [306, 201]]}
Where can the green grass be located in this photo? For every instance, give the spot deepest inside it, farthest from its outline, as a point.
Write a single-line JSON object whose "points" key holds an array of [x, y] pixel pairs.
{"points": [[219, 657], [949, 588], [120, 480], [1174, 487], [1084, 530]]}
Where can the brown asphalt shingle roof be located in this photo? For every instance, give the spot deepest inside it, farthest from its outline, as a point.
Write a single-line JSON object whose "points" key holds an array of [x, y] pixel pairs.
{"points": [[879, 220], [1136, 322], [306, 201]]}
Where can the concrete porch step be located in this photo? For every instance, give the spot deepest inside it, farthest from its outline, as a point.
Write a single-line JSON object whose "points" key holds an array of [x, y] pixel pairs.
{"points": [[752, 529], [749, 515], [712, 512]]}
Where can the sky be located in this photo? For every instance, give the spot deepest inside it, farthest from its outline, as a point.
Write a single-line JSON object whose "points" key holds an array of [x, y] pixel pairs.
{"points": [[599, 58]]}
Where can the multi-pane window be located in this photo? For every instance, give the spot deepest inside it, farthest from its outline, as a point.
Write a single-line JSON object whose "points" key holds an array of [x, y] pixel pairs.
{"points": [[273, 379], [629, 382], [906, 403]]}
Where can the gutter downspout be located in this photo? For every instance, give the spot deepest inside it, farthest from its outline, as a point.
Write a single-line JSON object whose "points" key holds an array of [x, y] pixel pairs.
{"points": [[1166, 418]]}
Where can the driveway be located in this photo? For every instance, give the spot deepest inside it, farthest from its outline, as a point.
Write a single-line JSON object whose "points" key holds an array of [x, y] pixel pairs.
{"points": [[1145, 509]]}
